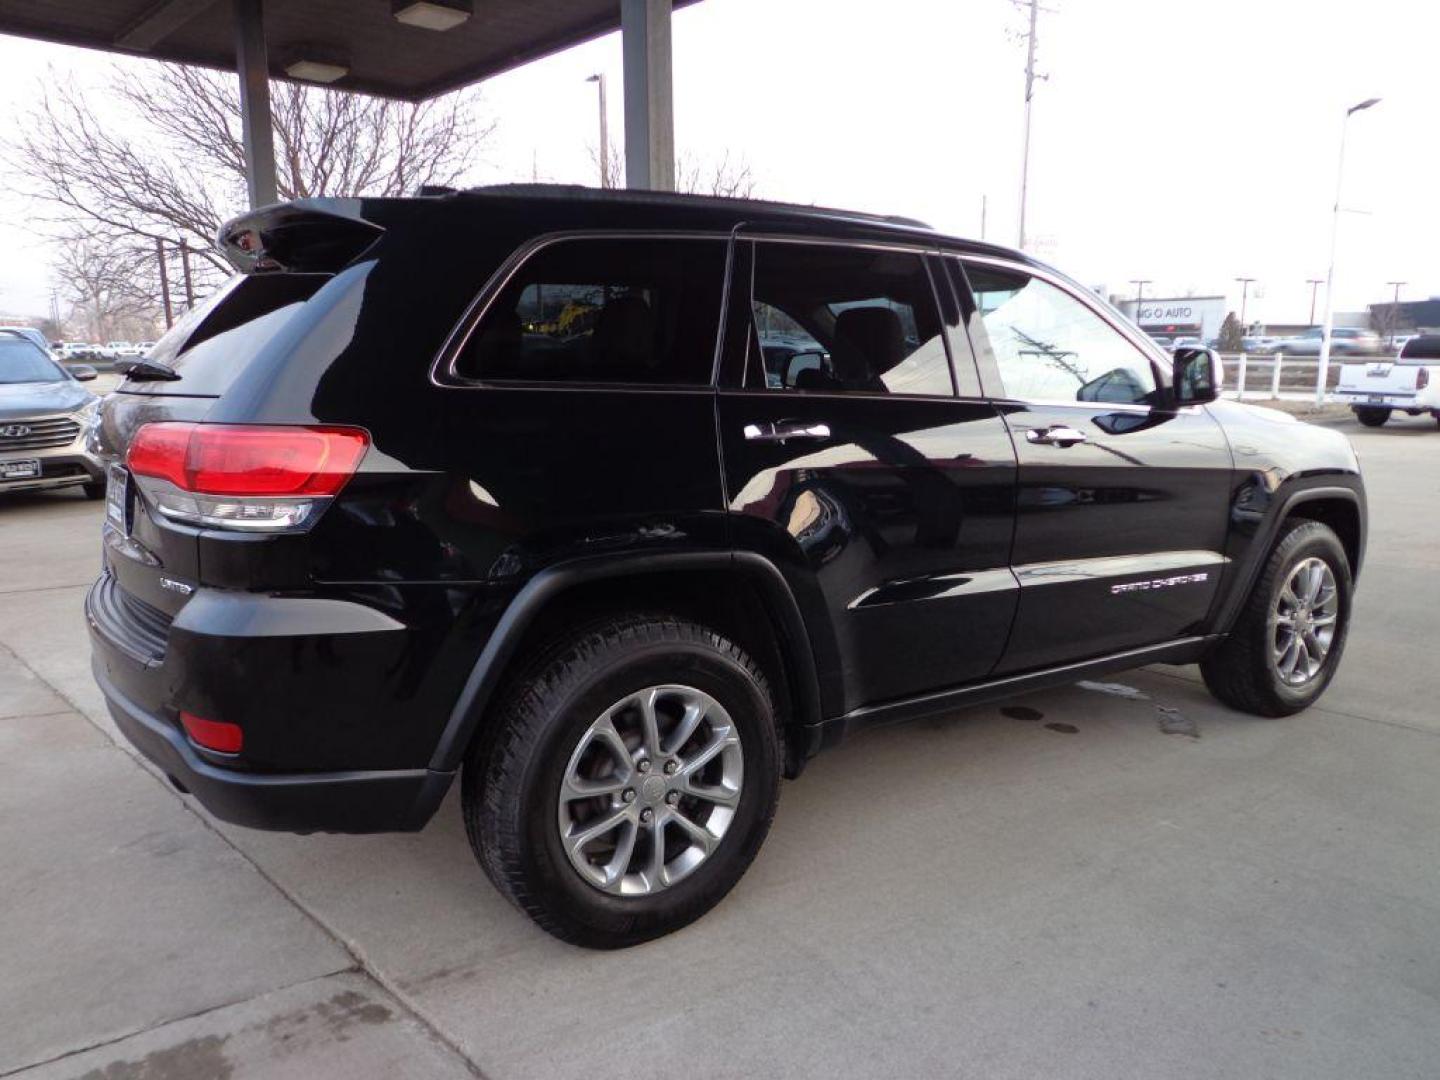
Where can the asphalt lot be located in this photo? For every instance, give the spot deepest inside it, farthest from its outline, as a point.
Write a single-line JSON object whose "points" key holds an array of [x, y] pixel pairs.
{"points": [[1119, 880]]}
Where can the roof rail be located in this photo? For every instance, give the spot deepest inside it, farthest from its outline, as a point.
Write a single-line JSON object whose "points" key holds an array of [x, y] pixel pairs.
{"points": [[631, 195]]}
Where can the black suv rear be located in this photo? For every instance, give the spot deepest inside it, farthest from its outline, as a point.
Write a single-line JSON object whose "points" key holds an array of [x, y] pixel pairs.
{"points": [[620, 506]]}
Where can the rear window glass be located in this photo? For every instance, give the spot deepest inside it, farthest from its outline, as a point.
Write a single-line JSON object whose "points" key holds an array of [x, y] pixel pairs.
{"points": [[210, 345], [1421, 350], [626, 310]]}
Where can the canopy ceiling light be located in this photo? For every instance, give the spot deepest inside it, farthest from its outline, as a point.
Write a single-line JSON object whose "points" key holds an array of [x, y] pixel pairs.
{"points": [[431, 14], [317, 66]]}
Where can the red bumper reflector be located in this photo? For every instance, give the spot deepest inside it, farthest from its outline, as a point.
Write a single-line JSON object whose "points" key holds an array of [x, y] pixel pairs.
{"points": [[213, 734]]}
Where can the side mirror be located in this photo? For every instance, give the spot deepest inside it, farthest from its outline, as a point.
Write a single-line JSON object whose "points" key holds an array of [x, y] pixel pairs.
{"points": [[83, 372], [1197, 375]]}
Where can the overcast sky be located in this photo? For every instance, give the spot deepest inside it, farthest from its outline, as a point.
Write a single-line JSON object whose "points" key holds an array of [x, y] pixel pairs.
{"points": [[1185, 141]]}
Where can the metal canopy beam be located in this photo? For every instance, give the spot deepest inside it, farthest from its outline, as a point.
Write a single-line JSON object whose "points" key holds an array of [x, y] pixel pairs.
{"points": [[649, 97], [158, 23], [253, 68]]}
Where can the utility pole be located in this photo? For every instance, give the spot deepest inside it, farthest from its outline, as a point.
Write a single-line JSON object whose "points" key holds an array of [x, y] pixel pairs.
{"points": [[1139, 284], [1394, 312], [1030, 78], [189, 282], [1314, 283], [164, 282], [1244, 296], [984, 208]]}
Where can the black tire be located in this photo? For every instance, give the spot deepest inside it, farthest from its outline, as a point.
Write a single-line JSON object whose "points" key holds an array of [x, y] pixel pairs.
{"points": [[94, 490], [1371, 417], [511, 779], [1240, 671]]}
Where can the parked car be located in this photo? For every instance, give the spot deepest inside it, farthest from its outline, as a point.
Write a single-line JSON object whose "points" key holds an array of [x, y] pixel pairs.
{"points": [[497, 485], [1344, 341], [1259, 344], [72, 350], [46, 417], [1410, 383], [33, 335]]}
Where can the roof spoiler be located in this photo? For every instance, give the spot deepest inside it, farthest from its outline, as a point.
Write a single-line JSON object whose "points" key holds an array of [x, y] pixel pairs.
{"points": [[308, 236]]}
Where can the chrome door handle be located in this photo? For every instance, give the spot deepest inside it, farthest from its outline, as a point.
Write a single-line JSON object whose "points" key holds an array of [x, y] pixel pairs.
{"points": [[784, 430], [1059, 435]]}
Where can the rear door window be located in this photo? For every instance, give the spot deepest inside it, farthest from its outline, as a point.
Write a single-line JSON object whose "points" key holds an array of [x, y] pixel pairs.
{"points": [[638, 310], [836, 319]]}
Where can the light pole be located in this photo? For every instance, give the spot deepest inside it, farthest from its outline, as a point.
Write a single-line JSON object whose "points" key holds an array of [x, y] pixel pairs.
{"points": [[1314, 283], [1139, 284], [599, 80], [1394, 313], [1244, 296], [1323, 374]]}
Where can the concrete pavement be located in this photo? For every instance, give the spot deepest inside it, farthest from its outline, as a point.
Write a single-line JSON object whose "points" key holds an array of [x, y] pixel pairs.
{"points": [[1120, 879]]}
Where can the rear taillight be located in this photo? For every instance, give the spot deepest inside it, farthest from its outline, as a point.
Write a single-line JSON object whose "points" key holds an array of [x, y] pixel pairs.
{"points": [[1422, 378], [215, 735], [252, 477]]}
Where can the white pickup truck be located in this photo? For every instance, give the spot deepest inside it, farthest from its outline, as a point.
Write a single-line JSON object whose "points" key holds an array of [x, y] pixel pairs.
{"points": [[1374, 388]]}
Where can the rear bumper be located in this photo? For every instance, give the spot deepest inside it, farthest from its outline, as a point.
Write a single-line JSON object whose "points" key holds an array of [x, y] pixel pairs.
{"points": [[1423, 401], [358, 801]]}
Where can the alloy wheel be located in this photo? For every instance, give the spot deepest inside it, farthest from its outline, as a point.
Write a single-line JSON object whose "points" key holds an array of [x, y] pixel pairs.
{"points": [[1304, 621], [650, 790]]}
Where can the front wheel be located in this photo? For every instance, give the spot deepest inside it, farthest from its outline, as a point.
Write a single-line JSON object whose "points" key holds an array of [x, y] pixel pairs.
{"points": [[94, 490], [629, 782], [1287, 642], [1372, 417]]}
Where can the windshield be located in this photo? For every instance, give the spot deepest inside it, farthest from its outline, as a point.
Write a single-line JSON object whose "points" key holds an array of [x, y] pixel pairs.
{"points": [[22, 362]]}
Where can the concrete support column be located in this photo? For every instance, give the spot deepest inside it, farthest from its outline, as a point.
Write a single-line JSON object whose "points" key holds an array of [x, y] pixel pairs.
{"points": [[649, 106], [254, 70]]}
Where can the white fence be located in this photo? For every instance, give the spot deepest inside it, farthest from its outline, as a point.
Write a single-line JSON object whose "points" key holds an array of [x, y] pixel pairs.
{"points": [[1276, 377]]}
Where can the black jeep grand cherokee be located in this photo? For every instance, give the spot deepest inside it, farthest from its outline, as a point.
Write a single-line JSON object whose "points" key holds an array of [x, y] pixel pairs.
{"points": [[620, 506]]}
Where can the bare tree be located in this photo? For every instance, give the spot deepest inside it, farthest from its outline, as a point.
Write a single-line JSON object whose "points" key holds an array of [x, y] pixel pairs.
{"points": [[611, 168], [720, 176], [104, 280], [177, 169]]}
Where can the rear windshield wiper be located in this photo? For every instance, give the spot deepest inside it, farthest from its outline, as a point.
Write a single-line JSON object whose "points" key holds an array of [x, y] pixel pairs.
{"points": [[147, 371]]}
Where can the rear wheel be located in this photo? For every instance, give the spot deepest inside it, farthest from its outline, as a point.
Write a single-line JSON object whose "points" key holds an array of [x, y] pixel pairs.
{"points": [[1287, 642], [630, 780], [1372, 417]]}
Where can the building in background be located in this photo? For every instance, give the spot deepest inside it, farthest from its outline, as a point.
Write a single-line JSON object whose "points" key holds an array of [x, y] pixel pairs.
{"points": [[1179, 316], [1407, 317]]}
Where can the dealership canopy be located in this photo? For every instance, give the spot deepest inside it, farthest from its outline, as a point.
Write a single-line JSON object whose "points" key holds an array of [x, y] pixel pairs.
{"points": [[406, 49]]}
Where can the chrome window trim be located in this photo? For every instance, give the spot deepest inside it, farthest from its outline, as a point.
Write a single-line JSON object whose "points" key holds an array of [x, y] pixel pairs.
{"points": [[925, 247], [1147, 348], [475, 312]]}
